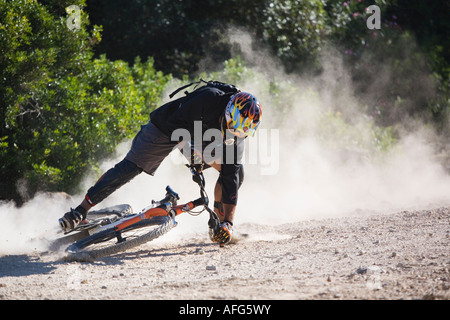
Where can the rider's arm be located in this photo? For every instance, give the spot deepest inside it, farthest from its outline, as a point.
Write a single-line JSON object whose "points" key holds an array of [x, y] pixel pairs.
{"points": [[229, 176]]}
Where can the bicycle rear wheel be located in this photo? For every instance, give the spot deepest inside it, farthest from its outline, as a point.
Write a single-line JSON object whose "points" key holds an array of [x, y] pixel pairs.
{"points": [[110, 241]]}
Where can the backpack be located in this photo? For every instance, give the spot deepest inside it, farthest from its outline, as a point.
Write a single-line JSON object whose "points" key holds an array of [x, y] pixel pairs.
{"points": [[227, 88]]}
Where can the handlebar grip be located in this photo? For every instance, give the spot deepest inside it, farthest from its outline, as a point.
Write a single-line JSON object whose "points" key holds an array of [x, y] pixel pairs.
{"points": [[172, 193], [198, 202]]}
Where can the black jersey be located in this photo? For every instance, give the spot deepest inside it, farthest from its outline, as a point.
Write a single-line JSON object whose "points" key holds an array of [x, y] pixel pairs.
{"points": [[206, 105]]}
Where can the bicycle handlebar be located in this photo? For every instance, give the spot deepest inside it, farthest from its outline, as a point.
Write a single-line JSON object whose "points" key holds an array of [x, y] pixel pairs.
{"points": [[172, 197], [198, 177], [172, 193]]}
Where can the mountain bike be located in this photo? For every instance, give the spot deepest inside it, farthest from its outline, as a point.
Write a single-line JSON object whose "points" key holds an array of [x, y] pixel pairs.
{"points": [[116, 229]]}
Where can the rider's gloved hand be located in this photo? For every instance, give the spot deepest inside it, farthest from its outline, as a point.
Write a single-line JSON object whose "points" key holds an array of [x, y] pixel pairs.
{"points": [[224, 233]]}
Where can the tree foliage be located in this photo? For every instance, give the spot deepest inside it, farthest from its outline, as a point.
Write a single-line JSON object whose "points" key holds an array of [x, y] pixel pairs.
{"points": [[62, 110], [402, 68], [67, 97], [412, 44]]}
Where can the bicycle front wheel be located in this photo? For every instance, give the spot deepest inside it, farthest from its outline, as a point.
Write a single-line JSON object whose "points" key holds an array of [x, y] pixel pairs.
{"points": [[110, 241]]}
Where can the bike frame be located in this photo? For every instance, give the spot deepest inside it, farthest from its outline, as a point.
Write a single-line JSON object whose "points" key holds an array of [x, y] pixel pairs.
{"points": [[162, 215], [167, 206]]}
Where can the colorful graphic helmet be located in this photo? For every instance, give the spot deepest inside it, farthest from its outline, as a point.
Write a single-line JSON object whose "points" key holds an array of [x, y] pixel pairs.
{"points": [[243, 114]]}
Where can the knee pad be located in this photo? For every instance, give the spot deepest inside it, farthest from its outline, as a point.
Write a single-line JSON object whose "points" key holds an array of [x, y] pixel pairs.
{"points": [[113, 179]]}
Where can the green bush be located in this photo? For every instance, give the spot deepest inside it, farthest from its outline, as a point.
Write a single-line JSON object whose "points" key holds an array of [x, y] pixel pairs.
{"points": [[400, 70], [295, 30], [61, 110]]}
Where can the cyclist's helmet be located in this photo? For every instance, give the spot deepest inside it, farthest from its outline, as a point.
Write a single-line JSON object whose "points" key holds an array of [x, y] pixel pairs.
{"points": [[243, 114]]}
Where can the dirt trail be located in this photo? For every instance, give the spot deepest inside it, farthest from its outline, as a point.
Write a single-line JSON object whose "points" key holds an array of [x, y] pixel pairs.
{"points": [[402, 255]]}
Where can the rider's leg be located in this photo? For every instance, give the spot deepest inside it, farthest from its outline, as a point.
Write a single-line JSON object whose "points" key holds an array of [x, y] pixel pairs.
{"points": [[149, 148], [113, 179]]}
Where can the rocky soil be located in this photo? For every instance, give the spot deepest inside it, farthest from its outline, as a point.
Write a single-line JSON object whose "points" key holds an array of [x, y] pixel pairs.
{"points": [[403, 255]]}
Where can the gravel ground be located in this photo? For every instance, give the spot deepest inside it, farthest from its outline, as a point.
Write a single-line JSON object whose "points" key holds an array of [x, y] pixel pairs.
{"points": [[403, 255]]}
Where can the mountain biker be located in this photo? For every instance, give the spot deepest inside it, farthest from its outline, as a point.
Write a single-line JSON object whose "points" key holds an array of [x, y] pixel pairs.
{"points": [[236, 115]]}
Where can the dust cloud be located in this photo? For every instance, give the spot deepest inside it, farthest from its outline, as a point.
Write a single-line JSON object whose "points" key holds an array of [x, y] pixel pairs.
{"points": [[30, 228], [291, 173], [335, 177]]}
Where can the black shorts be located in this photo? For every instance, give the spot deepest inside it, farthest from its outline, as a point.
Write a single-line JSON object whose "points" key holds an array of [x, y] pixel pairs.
{"points": [[149, 148]]}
